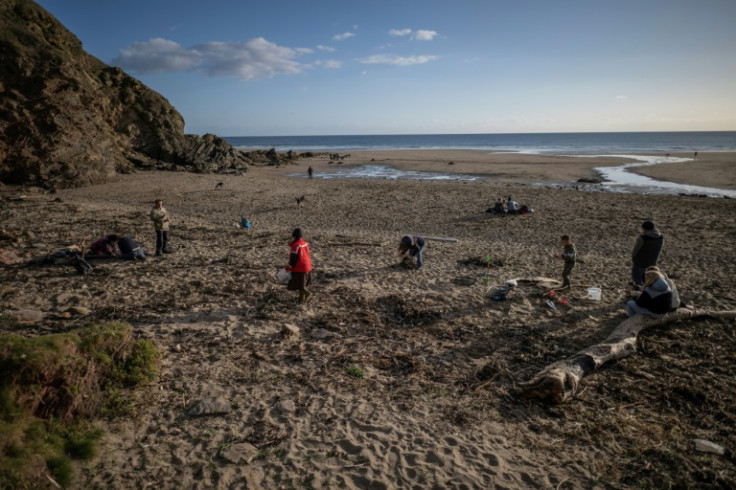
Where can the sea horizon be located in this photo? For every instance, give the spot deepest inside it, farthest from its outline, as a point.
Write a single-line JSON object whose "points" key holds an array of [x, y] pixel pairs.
{"points": [[542, 143]]}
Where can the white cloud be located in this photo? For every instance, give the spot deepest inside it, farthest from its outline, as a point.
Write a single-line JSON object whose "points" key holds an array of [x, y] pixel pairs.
{"points": [[399, 32], [156, 56], [390, 59], [419, 35], [424, 35], [343, 36], [326, 49], [334, 64], [249, 60]]}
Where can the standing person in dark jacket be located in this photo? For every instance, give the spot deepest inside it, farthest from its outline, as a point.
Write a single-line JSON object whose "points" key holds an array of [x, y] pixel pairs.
{"points": [[414, 246], [646, 251], [656, 299], [568, 256], [300, 266]]}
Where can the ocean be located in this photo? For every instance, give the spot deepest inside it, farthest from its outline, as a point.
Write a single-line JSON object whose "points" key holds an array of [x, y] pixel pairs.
{"points": [[541, 143]]}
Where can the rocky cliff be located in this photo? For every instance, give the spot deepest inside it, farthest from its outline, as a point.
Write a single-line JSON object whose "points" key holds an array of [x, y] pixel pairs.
{"points": [[67, 119]]}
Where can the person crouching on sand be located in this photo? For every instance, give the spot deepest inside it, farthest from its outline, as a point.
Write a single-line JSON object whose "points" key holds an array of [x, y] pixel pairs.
{"points": [[414, 246], [300, 266]]}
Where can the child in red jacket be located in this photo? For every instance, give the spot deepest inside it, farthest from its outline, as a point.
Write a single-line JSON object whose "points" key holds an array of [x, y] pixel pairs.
{"points": [[300, 266]]}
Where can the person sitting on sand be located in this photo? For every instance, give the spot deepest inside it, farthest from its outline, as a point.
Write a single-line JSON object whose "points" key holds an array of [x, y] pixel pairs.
{"points": [[130, 249], [414, 246], [655, 301], [676, 303], [105, 246], [300, 266], [497, 208], [511, 206]]}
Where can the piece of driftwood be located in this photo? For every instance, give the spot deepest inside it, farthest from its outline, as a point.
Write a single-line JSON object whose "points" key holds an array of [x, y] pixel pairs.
{"points": [[560, 380], [441, 239]]}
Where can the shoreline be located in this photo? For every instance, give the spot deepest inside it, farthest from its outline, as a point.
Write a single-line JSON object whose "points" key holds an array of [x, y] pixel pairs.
{"points": [[716, 170]]}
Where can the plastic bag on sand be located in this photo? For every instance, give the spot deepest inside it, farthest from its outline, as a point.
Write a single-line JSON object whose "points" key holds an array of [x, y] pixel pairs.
{"points": [[283, 275]]}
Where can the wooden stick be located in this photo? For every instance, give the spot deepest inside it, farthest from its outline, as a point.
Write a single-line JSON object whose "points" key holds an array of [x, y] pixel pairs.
{"points": [[440, 239]]}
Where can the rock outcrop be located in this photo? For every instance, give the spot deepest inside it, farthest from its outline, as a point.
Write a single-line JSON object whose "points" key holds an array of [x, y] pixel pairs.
{"points": [[68, 120]]}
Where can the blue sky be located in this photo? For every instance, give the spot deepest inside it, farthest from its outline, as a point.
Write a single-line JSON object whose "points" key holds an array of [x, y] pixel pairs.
{"points": [[301, 67]]}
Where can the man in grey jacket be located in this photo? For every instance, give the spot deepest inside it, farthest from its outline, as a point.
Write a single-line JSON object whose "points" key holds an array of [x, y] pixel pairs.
{"points": [[646, 251]]}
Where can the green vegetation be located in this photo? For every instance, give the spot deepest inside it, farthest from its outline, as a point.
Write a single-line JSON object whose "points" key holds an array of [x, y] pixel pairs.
{"points": [[355, 372], [52, 387]]}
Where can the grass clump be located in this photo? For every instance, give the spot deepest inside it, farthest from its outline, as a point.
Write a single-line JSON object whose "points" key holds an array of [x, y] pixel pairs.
{"points": [[355, 372], [51, 389]]}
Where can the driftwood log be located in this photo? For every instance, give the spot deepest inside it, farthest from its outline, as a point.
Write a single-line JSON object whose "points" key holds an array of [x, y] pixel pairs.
{"points": [[560, 380]]}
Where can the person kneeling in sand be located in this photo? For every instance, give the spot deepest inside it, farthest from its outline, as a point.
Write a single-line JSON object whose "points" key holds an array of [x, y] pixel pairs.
{"points": [[655, 300], [413, 246], [300, 266], [130, 249], [105, 246]]}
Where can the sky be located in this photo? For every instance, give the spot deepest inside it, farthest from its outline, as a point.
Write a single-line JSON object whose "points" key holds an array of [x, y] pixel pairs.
{"points": [[324, 67]]}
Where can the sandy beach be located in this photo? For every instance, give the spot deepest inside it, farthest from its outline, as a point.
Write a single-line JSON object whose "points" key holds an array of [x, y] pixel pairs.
{"points": [[438, 403]]}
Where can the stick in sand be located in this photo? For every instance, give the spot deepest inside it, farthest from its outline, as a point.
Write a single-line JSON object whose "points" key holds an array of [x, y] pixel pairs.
{"points": [[440, 239]]}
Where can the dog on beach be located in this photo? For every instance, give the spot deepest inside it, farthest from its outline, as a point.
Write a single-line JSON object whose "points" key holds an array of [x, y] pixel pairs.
{"points": [[300, 201], [219, 185]]}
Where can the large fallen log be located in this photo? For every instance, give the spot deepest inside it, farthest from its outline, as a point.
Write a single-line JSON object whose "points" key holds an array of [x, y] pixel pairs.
{"points": [[560, 380]]}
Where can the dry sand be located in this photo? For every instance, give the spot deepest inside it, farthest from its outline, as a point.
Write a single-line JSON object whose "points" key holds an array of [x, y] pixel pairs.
{"points": [[437, 407]]}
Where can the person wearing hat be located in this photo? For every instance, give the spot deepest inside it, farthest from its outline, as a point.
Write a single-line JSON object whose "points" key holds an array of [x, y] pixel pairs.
{"points": [[300, 266], [414, 246], [646, 251], [160, 218]]}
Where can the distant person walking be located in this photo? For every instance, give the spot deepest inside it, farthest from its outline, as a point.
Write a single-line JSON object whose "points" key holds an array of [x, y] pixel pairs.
{"points": [[300, 266], [160, 218], [568, 255], [695, 155], [646, 251], [310, 171]]}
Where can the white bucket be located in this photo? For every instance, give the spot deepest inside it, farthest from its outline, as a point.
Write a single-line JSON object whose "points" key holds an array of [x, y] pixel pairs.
{"points": [[283, 275], [594, 294]]}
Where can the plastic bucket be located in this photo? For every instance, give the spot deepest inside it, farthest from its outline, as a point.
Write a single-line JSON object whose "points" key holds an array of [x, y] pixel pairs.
{"points": [[594, 294], [283, 275]]}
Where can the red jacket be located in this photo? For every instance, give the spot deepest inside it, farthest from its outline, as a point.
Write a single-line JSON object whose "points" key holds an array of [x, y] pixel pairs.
{"points": [[299, 260]]}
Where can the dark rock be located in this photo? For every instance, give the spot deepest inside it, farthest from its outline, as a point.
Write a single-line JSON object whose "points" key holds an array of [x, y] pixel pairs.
{"points": [[589, 181], [70, 120]]}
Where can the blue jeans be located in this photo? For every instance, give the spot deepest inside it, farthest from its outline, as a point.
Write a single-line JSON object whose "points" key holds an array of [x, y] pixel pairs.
{"points": [[418, 254], [633, 309], [637, 274], [132, 255]]}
